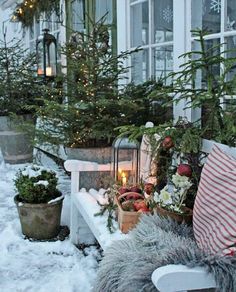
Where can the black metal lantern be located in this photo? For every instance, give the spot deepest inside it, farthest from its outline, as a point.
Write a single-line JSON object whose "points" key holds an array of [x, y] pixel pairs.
{"points": [[125, 161], [46, 50]]}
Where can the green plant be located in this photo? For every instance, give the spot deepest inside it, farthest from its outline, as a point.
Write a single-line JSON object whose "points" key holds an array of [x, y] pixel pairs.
{"points": [[140, 103], [92, 105], [26, 11], [36, 184], [171, 145], [202, 83], [18, 85]]}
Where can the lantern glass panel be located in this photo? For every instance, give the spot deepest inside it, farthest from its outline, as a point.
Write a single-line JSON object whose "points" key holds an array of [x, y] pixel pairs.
{"points": [[40, 58], [50, 59], [125, 161]]}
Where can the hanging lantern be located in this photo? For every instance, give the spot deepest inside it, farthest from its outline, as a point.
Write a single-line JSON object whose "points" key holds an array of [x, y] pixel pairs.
{"points": [[46, 51], [125, 161]]}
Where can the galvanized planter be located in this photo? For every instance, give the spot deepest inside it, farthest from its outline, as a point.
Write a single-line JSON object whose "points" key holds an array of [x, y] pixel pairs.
{"points": [[39, 221], [100, 155], [15, 145]]}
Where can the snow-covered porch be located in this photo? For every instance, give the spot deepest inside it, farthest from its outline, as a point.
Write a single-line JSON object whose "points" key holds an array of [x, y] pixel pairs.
{"points": [[40, 266]]}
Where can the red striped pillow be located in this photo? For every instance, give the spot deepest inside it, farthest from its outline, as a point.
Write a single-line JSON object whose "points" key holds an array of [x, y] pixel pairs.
{"points": [[214, 214]]}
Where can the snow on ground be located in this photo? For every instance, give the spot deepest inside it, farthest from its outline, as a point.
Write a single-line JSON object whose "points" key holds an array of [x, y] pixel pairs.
{"points": [[27, 266]]}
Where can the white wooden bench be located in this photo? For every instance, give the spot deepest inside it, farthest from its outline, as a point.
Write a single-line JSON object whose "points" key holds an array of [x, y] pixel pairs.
{"points": [[84, 226], [170, 278]]}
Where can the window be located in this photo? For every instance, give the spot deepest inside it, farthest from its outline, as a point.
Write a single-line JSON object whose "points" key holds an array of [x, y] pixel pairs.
{"points": [[218, 18], [151, 29], [104, 7], [78, 15]]}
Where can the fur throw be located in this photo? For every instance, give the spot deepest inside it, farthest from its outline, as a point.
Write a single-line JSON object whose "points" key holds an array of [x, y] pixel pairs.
{"points": [[156, 241]]}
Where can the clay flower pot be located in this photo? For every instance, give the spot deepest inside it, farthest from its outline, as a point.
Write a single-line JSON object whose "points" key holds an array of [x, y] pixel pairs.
{"points": [[40, 221]]}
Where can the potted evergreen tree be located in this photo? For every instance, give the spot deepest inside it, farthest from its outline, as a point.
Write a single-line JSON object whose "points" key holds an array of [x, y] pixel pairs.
{"points": [[38, 201], [91, 104], [18, 91]]}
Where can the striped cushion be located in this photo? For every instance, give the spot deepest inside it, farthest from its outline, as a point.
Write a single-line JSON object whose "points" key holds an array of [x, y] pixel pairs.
{"points": [[214, 215]]}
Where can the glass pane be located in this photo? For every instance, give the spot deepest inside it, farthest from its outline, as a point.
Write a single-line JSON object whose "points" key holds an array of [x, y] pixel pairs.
{"points": [[139, 66], [163, 21], [78, 15], [104, 7], [231, 15], [37, 29], [212, 46], [139, 24], [51, 67], [162, 62], [231, 45], [206, 15]]}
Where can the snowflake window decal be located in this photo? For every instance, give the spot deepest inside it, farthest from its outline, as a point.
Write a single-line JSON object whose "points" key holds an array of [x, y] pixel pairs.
{"points": [[215, 5], [168, 14]]}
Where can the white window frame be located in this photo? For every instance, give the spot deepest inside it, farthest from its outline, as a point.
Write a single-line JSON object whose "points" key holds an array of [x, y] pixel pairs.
{"points": [[182, 40], [150, 46]]}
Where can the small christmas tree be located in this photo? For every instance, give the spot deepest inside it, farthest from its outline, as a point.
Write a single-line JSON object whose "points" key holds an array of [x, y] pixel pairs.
{"points": [[18, 86], [92, 104]]}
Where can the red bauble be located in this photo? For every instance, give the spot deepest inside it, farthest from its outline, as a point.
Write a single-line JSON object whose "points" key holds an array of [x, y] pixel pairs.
{"points": [[184, 169], [167, 143]]}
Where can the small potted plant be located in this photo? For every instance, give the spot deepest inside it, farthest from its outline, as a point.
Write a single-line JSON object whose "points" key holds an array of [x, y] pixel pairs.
{"points": [[170, 201], [38, 201]]}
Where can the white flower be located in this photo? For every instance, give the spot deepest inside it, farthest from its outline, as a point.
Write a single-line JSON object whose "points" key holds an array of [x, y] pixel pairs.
{"points": [[165, 196], [149, 125], [156, 197], [157, 137], [181, 181]]}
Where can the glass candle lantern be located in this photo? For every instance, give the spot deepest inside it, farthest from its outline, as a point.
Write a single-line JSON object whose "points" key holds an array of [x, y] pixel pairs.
{"points": [[46, 51], [125, 161]]}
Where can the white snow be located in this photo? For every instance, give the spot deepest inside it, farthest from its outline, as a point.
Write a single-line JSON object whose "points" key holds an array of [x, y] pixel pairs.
{"points": [[55, 200], [27, 266], [42, 182], [33, 170]]}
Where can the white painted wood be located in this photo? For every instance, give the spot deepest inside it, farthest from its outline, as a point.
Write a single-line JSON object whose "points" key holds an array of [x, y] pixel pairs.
{"points": [[207, 146], [83, 223], [78, 225], [179, 29], [122, 34], [175, 278]]}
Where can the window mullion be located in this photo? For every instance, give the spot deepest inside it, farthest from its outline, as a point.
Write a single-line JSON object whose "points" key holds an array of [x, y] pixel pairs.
{"points": [[151, 28]]}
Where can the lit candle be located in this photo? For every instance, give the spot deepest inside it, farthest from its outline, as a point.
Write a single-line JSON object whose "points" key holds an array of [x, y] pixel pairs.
{"points": [[40, 71], [49, 71], [123, 179]]}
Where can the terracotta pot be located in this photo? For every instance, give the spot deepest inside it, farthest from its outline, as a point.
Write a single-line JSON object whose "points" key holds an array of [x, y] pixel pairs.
{"points": [[185, 217]]}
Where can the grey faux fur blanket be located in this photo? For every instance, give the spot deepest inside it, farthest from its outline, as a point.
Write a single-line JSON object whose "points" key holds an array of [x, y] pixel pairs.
{"points": [[156, 241]]}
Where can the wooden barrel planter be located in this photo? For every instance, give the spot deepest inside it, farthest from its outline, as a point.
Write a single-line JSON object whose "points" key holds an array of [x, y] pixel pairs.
{"points": [[15, 145]]}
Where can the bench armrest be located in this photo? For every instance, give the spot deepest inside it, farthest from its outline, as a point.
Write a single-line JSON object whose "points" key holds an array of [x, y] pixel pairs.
{"points": [[173, 278]]}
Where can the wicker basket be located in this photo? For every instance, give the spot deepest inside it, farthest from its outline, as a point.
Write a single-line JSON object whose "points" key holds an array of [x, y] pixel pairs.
{"points": [[186, 217], [126, 219]]}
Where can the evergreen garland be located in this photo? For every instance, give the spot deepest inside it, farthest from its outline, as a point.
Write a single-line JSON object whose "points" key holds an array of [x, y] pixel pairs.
{"points": [[26, 11]]}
